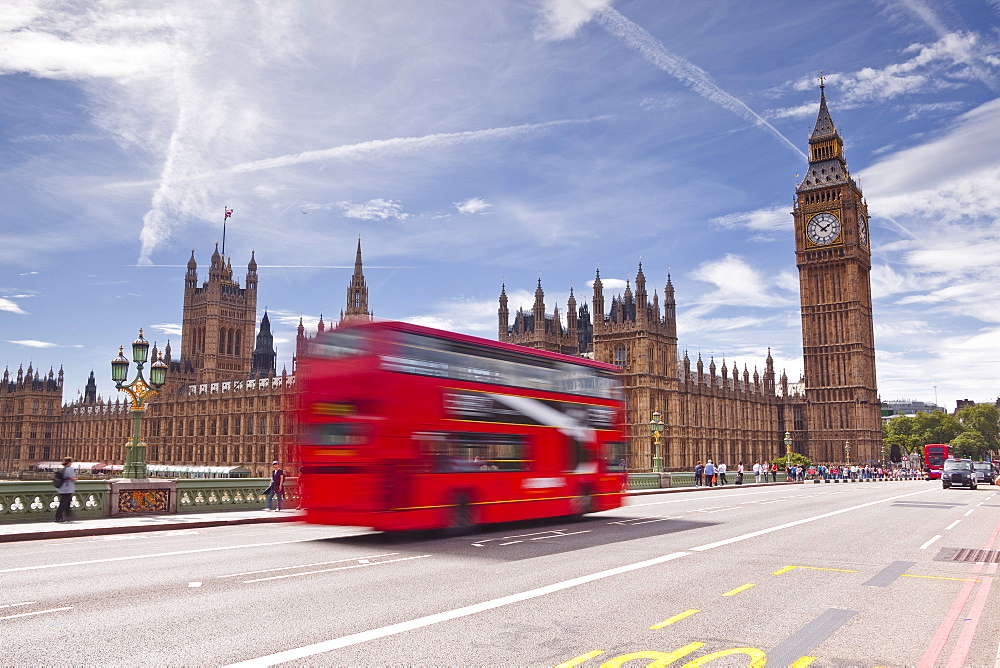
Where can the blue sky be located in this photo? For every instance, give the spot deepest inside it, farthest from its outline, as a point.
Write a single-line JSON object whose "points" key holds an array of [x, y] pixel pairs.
{"points": [[474, 143]]}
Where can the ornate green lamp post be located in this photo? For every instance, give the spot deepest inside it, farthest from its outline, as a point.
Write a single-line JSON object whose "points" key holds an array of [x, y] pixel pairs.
{"points": [[847, 452], [656, 428], [788, 449], [138, 391]]}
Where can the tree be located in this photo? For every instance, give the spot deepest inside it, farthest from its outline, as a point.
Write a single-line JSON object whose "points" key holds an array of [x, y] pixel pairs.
{"points": [[985, 419], [935, 427], [970, 444], [797, 459], [898, 433]]}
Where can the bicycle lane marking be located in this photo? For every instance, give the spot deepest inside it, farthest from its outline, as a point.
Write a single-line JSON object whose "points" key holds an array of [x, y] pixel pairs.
{"points": [[940, 639]]}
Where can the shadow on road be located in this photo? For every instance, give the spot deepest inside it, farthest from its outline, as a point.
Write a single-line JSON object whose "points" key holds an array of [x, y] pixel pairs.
{"points": [[513, 541]]}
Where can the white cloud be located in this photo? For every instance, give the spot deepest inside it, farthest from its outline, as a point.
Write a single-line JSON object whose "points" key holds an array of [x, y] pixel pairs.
{"points": [[949, 62], [171, 328], [473, 205], [32, 343], [737, 284], [773, 219], [10, 307], [374, 209], [562, 18]]}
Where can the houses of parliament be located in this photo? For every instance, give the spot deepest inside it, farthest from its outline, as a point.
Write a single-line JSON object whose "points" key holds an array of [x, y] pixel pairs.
{"points": [[225, 404]]}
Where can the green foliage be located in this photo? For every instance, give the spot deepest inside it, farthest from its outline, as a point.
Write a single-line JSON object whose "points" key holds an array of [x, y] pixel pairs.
{"points": [[898, 432], [936, 427], [984, 419], [969, 444], [797, 459]]}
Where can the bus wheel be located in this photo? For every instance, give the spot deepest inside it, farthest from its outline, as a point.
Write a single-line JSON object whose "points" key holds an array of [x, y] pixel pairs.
{"points": [[460, 521], [583, 504]]}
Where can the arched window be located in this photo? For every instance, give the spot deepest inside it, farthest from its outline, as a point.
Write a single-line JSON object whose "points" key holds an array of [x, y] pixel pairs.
{"points": [[236, 347], [620, 358]]}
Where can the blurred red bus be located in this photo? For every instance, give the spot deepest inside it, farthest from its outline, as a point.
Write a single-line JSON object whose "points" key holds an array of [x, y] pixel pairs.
{"points": [[934, 456], [406, 427]]}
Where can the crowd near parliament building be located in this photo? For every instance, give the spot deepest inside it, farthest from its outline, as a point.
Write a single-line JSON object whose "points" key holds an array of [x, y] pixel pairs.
{"points": [[226, 404]]}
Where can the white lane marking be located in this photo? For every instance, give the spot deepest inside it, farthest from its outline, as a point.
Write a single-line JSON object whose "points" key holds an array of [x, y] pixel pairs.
{"points": [[968, 512], [16, 605], [632, 523], [320, 563], [754, 534], [560, 535], [339, 568], [447, 615], [194, 584], [928, 543], [700, 498], [37, 612], [165, 554], [952, 525], [511, 542]]}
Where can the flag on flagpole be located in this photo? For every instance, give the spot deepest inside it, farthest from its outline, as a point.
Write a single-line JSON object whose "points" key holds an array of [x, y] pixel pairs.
{"points": [[229, 212]]}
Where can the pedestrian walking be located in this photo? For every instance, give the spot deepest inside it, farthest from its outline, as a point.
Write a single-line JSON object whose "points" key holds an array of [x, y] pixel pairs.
{"points": [[757, 471], [774, 473], [709, 473], [739, 474], [720, 470], [64, 513], [277, 486]]}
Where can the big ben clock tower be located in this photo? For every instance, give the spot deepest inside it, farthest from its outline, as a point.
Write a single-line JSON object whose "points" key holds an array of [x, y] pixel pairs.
{"points": [[833, 254]]}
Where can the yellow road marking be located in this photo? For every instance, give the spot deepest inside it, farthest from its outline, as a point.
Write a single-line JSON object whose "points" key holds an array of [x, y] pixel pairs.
{"points": [[758, 658], [661, 658], [803, 662], [934, 577], [733, 592], [580, 659], [675, 618], [811, 568]]}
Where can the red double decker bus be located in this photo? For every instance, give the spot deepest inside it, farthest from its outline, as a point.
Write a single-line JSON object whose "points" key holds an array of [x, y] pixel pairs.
{"points": [[406, 427], [934, 456]]}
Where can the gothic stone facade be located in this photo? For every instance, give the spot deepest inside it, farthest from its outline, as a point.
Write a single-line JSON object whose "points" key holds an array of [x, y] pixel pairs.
{"points": [[708, 413], [224, 404]]}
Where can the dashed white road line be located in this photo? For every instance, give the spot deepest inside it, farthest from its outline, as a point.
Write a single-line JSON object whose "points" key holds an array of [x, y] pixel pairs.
{"points": [[37, 612], [339, 568], [952, 525], [928, 543], [320, 563]]}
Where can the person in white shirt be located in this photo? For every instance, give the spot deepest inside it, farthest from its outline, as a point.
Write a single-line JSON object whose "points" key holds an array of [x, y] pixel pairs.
{"points": [[757, 469], [720, 470]]}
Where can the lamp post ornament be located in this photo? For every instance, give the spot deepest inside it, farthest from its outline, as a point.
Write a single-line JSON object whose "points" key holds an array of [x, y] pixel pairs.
{"points": [[788, 449], [847, 452], [139, 392], [656, 427]]}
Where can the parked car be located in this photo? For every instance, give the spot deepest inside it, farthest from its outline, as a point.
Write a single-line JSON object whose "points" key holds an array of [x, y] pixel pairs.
{"points": [[958, 472], [985, 472]]}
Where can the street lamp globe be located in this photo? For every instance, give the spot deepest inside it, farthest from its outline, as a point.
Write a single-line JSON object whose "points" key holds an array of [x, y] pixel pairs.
{"points": [[119, 366], [158, 373], [140, 349]]}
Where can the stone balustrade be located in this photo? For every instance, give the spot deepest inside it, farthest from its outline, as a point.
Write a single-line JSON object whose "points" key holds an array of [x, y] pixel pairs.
{"points": [[30, 501]]}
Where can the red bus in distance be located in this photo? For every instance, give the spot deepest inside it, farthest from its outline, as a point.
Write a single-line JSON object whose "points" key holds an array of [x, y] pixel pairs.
{"points": [[406, 427], [934, 456]]}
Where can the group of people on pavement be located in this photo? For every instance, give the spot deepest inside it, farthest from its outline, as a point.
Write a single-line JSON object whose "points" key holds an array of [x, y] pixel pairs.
{"points": [[711, 474]]}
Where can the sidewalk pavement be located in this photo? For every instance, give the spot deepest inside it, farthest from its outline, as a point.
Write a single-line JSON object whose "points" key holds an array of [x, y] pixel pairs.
{"points": [[14, 532]]}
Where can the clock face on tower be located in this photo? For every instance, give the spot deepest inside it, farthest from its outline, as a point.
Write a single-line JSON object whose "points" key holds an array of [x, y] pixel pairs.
{"points": [[823, 228], [863, 230]]}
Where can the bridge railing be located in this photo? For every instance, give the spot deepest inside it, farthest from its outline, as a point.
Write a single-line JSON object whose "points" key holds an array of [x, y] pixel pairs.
{"points": [[37, 500]]}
